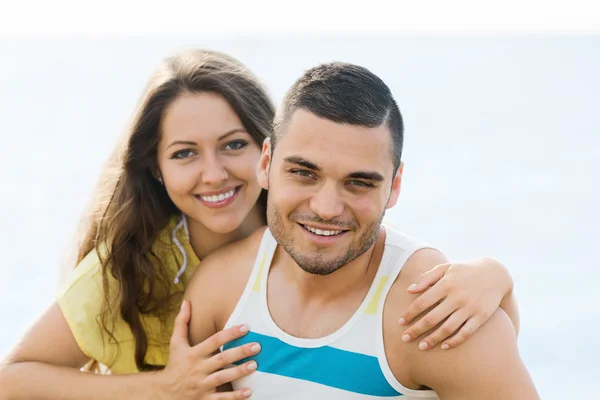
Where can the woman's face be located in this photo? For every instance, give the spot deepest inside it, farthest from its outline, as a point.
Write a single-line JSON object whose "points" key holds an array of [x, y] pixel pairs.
{"points": [[208, 161]]}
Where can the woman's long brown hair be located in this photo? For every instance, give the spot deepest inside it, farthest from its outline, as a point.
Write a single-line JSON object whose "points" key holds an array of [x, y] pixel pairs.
{"points": [[130, 207]]}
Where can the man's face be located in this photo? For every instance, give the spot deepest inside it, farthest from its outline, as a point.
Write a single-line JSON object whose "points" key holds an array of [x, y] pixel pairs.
{"points": [[329, 186]]}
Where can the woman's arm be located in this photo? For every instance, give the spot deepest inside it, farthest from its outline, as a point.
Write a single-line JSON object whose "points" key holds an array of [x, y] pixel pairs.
{"points": [[457, 300], [46, 364]]}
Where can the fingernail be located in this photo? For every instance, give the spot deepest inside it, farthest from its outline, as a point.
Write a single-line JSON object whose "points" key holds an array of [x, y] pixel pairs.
{"points": [[182, 304], [247, 393], [445, 346], [255, 348], [423, 345], [244, 328], [252, 366], [412, 287], [401, 321], [406, 337]]}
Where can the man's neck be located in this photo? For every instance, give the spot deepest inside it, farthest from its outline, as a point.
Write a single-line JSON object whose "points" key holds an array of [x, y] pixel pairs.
{"points": [[324, 288]]}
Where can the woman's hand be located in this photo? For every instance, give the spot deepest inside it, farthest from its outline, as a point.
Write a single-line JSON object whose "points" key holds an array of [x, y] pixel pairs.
{"points": [[460, 297], [196, 372]]}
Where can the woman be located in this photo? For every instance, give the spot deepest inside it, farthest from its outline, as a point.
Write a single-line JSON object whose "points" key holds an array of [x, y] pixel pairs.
{"points": [[148, 229]]}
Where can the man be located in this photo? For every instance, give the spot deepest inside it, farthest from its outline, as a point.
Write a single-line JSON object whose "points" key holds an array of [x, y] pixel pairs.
{"points": [[321, 287]]}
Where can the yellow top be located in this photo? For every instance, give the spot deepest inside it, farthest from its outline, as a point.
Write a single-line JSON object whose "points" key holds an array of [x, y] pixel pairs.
{"points": [[82, 297]]}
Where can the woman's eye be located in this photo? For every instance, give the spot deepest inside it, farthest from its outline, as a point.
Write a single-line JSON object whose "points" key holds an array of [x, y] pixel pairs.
{"points": [[182, 154], [236, 145]]}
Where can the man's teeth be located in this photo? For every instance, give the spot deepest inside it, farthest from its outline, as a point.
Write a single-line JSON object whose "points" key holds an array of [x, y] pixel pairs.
{"points": [[215, 198], [322, 232]]}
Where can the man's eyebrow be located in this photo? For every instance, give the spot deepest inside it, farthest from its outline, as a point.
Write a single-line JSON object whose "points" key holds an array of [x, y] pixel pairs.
{"points": [[301, 162], [367, 175]]}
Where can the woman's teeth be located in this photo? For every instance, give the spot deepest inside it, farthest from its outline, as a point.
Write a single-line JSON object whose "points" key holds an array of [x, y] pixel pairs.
{"points": [[216, 198]]}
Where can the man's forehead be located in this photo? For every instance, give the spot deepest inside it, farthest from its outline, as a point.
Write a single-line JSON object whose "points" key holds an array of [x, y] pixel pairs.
{"points": [[321, 140]]}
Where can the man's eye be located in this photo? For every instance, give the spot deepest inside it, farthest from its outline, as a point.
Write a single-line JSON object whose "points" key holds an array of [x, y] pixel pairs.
{"points": [[360, 183], [302, 172]]}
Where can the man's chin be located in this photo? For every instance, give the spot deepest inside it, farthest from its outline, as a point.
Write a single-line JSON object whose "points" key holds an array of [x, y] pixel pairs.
{"points": [[319, 265], [319, 271]]}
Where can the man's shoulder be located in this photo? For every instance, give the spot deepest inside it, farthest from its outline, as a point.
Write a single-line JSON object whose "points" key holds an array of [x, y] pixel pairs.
{"points": [[450, 372], [421, 259], [406, 242], [417, 257], [218, 283], [400, 355], [488, 362], [232, 254], [223, 274]]}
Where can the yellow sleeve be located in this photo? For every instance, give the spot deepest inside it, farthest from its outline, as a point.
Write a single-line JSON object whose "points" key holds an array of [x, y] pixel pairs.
{"points": [[81, 300]]}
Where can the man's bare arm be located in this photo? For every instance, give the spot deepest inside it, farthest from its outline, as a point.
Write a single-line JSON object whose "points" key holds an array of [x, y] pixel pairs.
{"points": [[486, 366]]}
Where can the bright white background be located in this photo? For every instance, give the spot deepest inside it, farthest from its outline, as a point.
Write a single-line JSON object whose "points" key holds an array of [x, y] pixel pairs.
{"points": [[502, 137]]}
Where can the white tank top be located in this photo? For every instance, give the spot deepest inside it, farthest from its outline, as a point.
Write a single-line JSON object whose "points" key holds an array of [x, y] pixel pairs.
{"points": [[347, 364]]}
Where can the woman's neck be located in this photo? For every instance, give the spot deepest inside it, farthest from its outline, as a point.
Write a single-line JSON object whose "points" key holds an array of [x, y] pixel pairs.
{"points": [[205, 241]]}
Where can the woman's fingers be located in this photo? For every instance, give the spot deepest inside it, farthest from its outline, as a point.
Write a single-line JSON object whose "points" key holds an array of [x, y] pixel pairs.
{"points": [[213, 344], [444, 331], [465, 332], [230, 356], [429, 278], [180, 329], [200, 370], [429, 321], [227, 375], [238, 394], [422, 303]]}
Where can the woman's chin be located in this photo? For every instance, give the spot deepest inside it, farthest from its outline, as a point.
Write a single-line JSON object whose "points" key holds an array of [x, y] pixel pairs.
{"points": [[222, 226]]}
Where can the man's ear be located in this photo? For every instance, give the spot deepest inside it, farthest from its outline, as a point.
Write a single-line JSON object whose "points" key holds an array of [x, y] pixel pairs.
{"points": [[262, 171], [396, 185]]}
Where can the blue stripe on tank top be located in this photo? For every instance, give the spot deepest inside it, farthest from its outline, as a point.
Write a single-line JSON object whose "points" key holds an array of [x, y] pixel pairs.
{"points": [[346, 370]]}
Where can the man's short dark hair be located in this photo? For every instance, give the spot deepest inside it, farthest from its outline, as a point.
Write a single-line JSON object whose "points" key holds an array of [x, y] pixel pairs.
{"points": [[344, 93]]}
